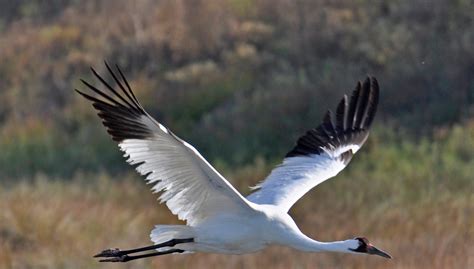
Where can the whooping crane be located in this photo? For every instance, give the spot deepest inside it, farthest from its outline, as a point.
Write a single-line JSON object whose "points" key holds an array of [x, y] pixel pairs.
{"points": [[218, 218]]}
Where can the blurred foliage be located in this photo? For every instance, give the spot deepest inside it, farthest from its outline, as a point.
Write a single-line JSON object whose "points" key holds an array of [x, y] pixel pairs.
{"points": [[240, 80]]}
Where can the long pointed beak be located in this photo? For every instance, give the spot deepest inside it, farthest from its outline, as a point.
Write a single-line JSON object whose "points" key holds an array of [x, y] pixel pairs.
{"points": [[373, 250]]}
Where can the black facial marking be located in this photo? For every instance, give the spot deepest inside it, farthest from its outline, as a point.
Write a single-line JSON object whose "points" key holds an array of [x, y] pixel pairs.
{"points": [[363, 245]]}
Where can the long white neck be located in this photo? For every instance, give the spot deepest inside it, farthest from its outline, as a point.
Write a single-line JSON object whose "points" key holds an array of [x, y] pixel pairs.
{"points": [[304, 243]]}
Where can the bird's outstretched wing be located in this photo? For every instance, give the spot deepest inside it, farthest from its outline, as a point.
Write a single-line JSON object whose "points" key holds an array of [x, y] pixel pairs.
{"points": [[322, 152], [192, 189]]}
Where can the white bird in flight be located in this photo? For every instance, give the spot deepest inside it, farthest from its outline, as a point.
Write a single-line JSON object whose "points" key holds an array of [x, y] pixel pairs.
{"points": [[218, 218]]}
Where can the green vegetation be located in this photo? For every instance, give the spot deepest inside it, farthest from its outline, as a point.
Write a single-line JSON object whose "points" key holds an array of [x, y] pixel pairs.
{"points": [[238, 79]]}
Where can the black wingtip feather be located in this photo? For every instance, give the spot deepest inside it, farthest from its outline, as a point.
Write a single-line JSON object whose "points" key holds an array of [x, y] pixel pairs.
{"points": [[128, 85], [373, 102], [352, 122], [353, 105], [341, 114], [135, 104], [122, 119], [362, 101]]}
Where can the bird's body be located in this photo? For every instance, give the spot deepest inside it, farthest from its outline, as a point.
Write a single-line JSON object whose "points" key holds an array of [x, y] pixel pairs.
{"points": [[218, 218], [246, 233], [236, 234]]}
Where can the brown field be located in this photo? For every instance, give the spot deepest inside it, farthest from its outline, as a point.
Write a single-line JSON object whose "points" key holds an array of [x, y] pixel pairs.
{"points": [[54, 224]]}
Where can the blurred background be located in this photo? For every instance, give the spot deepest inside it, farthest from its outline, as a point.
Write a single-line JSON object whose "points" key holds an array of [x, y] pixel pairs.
{"points": [[240, 80]]}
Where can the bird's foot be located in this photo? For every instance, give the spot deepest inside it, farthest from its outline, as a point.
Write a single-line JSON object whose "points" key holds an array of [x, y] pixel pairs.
{"points": [[111, 252], [123, 258], [113, 255]]}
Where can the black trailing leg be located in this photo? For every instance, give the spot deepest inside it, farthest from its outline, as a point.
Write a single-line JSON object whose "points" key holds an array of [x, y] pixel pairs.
{"points": [[126, 258], [117, 255]]}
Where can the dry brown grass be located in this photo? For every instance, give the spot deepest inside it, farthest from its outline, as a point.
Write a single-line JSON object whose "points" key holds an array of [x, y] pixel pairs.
{"points": [[48, 224]]}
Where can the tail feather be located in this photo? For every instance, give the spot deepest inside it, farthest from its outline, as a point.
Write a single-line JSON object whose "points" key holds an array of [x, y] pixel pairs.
{"points": [[163, 233]]}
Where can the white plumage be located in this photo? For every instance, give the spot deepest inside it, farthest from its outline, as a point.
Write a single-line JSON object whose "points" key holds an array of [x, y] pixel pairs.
{"points": [[219, 219], [191, 188], [288, 182]]}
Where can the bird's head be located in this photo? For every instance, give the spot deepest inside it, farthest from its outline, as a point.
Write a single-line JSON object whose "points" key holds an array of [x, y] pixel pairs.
{"points": [[362, 245]]}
